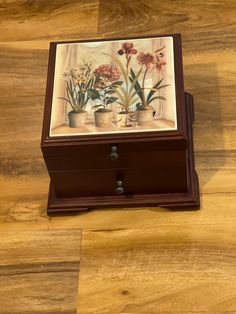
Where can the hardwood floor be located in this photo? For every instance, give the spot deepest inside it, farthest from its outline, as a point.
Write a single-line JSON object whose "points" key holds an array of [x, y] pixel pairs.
{"points": [[39, 271], [153, 270], [146, 260]]}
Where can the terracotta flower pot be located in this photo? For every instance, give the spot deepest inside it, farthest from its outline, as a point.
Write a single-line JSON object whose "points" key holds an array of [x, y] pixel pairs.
{"points": [[103, 118], [145, 116], [77, 119], [126, 119]]}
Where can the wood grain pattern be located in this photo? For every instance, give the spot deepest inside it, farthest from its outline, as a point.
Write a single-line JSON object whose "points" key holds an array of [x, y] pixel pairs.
{"points": [[173, 262], [22, 90], [39, 271], [39, 20], [185, 268], [201, 31]]}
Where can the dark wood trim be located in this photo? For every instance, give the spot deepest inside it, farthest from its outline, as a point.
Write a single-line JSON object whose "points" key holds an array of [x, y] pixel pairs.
{"points": [[169, 201], [49, 93]]}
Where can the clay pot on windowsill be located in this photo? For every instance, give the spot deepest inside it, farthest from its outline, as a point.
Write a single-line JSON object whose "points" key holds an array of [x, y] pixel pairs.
{"points": [[145, 115], [77, 119], [103, 118]]}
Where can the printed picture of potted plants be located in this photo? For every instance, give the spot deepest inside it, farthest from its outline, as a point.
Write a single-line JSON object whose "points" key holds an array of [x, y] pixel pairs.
{"points": [[150, 61], [125, 92], [106, 81], [78, 83]]}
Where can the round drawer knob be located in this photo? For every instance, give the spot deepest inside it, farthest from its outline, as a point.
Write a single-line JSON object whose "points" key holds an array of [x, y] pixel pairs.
{"points": [[119, 187], [114, 152]]}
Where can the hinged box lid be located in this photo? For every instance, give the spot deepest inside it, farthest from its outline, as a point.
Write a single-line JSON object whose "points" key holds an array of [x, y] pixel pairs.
{"points": [[115, 89]]}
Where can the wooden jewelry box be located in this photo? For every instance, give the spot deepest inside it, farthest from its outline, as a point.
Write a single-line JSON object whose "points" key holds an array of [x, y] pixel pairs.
{"points": [[117, 128]]}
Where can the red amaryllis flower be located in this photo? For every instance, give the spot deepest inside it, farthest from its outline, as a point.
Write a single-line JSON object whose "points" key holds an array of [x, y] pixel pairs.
{"points": [[127, 48], [107, 72], [121, 52], [148, 59], [133, 51], [160, 65]]}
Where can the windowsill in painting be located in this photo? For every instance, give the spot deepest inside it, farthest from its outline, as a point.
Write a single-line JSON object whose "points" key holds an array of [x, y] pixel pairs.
{"points": [[90, 128]]}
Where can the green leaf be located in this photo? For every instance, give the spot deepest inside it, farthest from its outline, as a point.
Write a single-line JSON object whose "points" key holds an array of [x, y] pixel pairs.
{"points": [[121, 88], [117, 83], [153, 90], [132, 73], [97, 106], [71, 100], [137, 88], [93, 93], [162, 86], [134, 101], [81, 104], [122, 98], [71, 87], [68, 85], [110, 100], [86, 101], [88, 83], [157, 97], [133, 95], [110, 91], [135, 80], [136, 85], [77, 100]]}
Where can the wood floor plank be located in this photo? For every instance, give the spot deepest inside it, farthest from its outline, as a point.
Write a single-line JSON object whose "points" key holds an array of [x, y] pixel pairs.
{"points": [[36, 246], [202, 31], [169, 269], [39, 293], [39, 271], [23, 91], [51, 20], [214, 137], [23, 198], [212, 84]]}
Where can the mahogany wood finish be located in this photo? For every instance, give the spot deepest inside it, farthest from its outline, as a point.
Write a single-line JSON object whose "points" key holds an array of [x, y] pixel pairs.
{"points": [[155, 168]]}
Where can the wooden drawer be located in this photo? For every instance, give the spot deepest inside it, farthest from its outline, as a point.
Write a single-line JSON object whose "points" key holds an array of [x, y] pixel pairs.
{"points": [[129, 155], [104, 183]]}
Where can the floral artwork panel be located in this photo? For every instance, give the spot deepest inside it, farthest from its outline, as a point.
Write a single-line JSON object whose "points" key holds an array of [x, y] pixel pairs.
{"points": [[117, 86]]}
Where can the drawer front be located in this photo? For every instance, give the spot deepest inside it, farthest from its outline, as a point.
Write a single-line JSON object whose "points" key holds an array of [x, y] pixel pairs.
{"points": [[123, 181], [123, 155]]}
